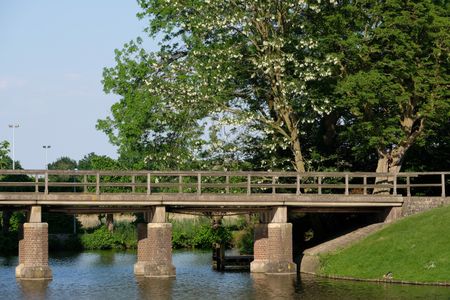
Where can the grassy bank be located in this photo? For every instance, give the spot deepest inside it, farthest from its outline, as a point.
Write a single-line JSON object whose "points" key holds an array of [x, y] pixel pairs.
{"points": [[413, 249]]}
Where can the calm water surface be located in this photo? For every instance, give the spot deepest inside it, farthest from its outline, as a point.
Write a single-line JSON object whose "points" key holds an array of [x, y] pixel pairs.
{"points": [[109, 275]]}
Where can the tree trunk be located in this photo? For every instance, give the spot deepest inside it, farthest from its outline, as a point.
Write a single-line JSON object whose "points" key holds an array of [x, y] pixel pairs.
{"points": [[388, 163], [110, 222]]}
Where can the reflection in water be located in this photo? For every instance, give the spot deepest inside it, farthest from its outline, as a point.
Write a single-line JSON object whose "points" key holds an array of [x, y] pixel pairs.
{"points": [[109, 275], [274, 286], [34, 289], [155, 288]]}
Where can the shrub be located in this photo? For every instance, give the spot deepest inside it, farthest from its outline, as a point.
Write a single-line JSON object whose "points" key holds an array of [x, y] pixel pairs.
{"points": [[100, 239]]}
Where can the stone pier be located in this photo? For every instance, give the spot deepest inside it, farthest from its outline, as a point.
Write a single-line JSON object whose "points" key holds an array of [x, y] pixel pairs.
{"points": [[33, 249], [155, 246], [273, 244]]}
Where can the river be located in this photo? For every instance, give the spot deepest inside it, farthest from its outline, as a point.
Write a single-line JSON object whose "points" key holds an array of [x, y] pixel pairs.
{"points": [[109, 275]]}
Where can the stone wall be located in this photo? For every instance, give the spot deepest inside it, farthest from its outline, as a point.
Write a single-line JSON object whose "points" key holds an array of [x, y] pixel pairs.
{"points": [[413, 205]]}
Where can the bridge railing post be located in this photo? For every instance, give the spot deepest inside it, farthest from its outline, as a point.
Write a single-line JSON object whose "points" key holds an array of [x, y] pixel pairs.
{"points": [[46, 183], [97, 183], [149, 184], [408, 186], [298, 192], [443, 184], [394, 192], [249, 184], [85, 189], [365, 184], [199, 183], [180, 184], [36, 183], [346, 185], [319, 183], [227, 187], [133, 184], [274, 190]]}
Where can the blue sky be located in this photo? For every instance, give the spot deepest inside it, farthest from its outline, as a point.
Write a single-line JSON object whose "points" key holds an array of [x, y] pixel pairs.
{"points": [[52, 54]]}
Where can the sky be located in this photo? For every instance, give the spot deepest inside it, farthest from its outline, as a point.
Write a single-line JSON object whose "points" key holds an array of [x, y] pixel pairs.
{"points": [[52, 55]]}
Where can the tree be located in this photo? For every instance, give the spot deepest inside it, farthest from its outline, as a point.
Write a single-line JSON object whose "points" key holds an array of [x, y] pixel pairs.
{"points": [[5, 160], [394, 74], [246, 68]]}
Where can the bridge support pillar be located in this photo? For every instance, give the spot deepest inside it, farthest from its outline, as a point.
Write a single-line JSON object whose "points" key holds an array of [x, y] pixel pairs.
{"points": [[273, 244], [33, 253], [155, 247]]}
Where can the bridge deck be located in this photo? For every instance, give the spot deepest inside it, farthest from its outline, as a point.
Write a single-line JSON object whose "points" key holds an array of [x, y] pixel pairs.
{"points": [[193, 200]]}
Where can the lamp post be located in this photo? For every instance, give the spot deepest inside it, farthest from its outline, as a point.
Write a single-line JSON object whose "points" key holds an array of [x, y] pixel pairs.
{"points": [[13, 126], [46, 147]]}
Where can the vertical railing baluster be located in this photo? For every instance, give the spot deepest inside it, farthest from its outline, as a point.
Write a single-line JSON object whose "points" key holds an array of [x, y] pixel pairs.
{"points": [[298, 185], [180, 184], [319, 182], [394, 192], [149, 184], [443, 185], [249, 184], [346, 185], [408, 186], [133, 184], [46, 183], [199, 183], [273, 185], [97, 183], [227, 182], [365, 185], [36, 184], [85, 189]]}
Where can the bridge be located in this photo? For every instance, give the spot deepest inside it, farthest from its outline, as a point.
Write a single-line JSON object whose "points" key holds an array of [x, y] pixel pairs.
{"points": [[272, 195]]}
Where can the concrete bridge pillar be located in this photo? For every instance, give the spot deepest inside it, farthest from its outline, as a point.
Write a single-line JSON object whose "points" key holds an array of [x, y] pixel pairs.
{"points": [[155, 246], [33, 248], [273, 244]]}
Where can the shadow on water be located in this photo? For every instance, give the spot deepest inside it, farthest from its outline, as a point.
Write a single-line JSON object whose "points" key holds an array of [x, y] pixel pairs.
{"points": [[34, 289], [155, 288]]}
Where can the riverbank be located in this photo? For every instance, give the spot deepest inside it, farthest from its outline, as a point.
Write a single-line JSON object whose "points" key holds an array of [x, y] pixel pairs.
{"points": [[414, 249]]}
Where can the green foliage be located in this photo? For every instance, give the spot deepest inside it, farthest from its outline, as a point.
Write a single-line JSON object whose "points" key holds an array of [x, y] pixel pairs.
{"points": [[63, 163], [5, 160], [244, 239], [414, 248], [17, 218], [123, 237], [392, 84], [199, 233], [100, 239]]}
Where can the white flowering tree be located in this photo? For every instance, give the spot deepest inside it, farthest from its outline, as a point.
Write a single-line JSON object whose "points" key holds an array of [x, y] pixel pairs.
{"points": [[245, 71]]}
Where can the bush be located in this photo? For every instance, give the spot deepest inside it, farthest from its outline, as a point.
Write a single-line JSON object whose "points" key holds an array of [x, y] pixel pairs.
{"points": [[123, 237], [244, 239], [100, 239]]}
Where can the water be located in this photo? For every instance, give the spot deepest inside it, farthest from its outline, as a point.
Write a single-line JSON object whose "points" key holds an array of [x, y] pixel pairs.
{"points": [[109, 275]]}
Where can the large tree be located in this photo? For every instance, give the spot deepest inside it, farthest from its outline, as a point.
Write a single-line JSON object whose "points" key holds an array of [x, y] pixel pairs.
{"points": [[393, 82], [247, 71]]}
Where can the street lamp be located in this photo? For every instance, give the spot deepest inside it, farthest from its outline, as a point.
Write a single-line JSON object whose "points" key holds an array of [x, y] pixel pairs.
{"points": [[13, 126], [46, 147]]}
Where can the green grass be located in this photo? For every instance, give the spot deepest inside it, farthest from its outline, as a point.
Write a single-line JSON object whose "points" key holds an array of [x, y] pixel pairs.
{"points": [[416, 248]]}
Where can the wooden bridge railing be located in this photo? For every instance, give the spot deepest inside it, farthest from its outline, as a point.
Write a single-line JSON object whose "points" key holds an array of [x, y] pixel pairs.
{"points": [[203, 182]]}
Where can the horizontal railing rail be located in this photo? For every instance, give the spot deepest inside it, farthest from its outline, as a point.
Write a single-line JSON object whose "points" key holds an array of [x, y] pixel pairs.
{"points": [[214, 182]]}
